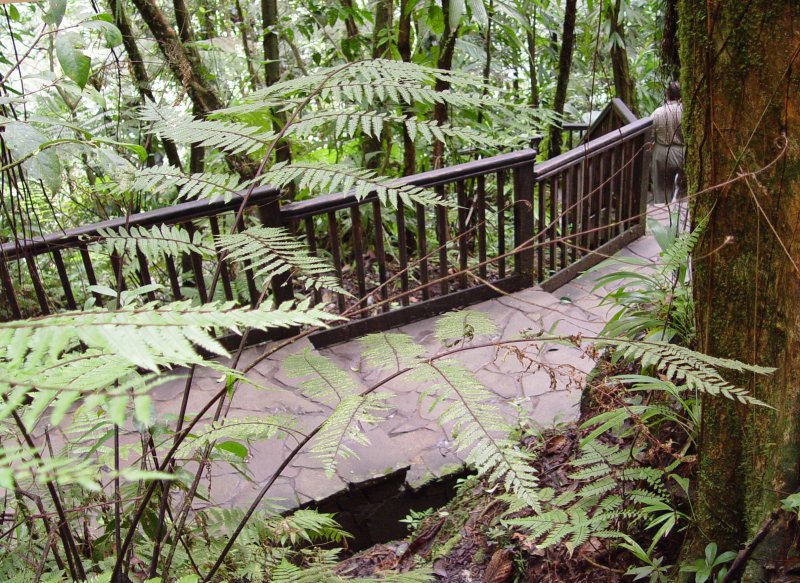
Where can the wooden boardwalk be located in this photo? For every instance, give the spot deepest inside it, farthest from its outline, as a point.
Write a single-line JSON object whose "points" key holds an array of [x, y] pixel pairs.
{"points": [[410, 436]]}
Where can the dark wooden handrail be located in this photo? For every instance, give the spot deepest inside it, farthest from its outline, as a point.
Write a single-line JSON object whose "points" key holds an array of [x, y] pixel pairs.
{"points": [[338, 201], [596, 146], [182, 212], [515, 223]]}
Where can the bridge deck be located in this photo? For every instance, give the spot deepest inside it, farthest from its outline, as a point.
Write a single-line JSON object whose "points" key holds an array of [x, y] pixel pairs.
{"points": [[410, 437]]}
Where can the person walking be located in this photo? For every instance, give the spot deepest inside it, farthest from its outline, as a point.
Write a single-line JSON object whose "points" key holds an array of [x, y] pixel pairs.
{"points": [[668, 153]]}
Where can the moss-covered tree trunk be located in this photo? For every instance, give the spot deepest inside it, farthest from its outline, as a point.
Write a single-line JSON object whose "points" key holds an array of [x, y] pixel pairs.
{"points": [[741, 89], [564, 68], [623, 83]]}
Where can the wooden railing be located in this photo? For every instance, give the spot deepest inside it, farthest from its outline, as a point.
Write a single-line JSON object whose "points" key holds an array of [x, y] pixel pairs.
{"points": [[514, 223]]}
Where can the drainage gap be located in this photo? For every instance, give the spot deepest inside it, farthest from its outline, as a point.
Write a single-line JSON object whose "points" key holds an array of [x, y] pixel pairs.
{"points": [[371, 510]]}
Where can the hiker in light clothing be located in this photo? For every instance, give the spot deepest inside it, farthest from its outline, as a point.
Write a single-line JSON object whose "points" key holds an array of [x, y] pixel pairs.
{"points": [[667, 166]]}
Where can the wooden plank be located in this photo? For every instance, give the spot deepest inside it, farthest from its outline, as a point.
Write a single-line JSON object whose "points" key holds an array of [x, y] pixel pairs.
{"points": [[144, 274], [224, 275], [380, 254], [463, 237], [174, 281], [358, 256], [442, 234], [8, 288], [552, 221], [523, 222], [501, 224], [311, 241], [88, 268], [197, 270], [422, 251], [64, 279], [333, 240], [252, 288], [416, 312], [564, 210], [541, 230], [481, 224], [402, 251], [38, 288]]}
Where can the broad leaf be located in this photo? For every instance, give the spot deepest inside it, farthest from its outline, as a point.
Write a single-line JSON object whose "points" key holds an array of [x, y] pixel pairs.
{"points": [[73, 62]]}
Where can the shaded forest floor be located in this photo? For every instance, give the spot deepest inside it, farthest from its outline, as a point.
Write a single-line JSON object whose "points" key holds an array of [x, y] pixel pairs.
{"points": [[466, 541]]}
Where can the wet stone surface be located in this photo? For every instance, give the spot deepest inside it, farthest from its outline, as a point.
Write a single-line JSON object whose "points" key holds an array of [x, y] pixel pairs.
{"points": [[542, 381]]}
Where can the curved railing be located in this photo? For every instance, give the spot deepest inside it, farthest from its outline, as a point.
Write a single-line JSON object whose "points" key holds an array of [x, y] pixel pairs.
{"points": [[515, 223]]}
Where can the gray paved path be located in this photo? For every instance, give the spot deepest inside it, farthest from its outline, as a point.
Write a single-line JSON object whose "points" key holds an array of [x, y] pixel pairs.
{"points": [[410, 436]]}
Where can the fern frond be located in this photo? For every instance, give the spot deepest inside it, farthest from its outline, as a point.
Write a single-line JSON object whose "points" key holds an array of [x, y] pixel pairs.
{"points": [[327, 384], [343, 426], [340, 177], [464, 325], [154, 243], [677, 253], [240, 429], [149, 336], [479, 428], [390, 350], [165, 178], [271, 252], [232, 137], [350, 123], [697, 371]]}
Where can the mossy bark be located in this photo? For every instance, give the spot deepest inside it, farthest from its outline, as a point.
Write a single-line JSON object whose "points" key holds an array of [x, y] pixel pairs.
{"points": [[564, 68], [741, 89]]}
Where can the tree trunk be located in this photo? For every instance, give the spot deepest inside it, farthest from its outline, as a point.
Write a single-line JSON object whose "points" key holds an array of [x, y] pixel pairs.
{"points": [[740, 81], [372, 148], [272, 69], [184, 62], [564, 66], [487, 46], [530, 34], [183, 21], [445, 61], [670, 47], [245, 30], [351, 47], [623, 84], [404, 48], [138, 71]]}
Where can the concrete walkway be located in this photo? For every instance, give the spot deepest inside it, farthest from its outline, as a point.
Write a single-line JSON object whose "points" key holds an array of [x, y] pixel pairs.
{"points": [[543, 384]]}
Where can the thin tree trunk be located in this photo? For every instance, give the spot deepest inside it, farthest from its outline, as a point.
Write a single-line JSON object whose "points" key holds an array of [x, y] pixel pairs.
{"points": [[404, 48], [530, 35], [623, 84], [372, 147], [184, 62], [245, 30], [564, 67], [670, 56], [445, 61], [139, 72], [738, 110], [349, 22], [272, 69], [487, 47], [183, 21], [298, 58]]}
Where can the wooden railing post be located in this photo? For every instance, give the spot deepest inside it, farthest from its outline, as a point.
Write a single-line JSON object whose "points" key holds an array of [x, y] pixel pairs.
{"points": [[641, 177], [8, 288], [524, 181], [270, 216]]}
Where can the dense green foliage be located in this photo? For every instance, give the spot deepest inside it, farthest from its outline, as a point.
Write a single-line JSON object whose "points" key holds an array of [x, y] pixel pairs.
{"points": [[105, 114]]}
